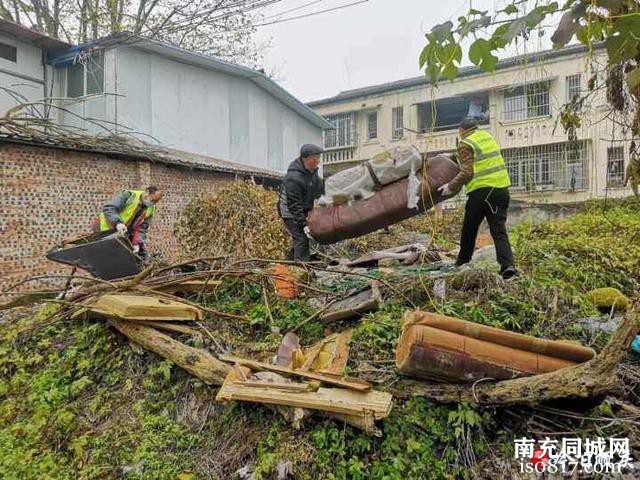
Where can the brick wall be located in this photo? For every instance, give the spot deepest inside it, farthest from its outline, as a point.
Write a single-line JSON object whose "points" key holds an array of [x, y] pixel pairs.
{"points": [[48, 195]]}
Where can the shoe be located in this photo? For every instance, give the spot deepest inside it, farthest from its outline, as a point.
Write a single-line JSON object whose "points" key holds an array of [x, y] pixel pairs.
{"points": [[509, 272]]}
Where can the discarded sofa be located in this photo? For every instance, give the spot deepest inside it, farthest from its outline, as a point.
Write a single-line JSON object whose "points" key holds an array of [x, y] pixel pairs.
{"points": [[436, 347], [385, 207]]}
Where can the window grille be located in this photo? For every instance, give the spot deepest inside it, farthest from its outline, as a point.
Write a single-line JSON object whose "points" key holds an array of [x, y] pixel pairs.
{"points": [[615, 166], [559, 166], [342, 135], [397, 122], [527, 101], [573, 85], [372, 126]]}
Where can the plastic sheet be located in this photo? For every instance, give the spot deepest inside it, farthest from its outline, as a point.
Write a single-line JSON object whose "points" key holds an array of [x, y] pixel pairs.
{"points": [[361, 182]]}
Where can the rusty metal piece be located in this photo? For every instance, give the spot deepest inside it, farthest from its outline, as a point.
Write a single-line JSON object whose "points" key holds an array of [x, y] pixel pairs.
{"points": [[552, 348], [385, 208], [430, 353]]}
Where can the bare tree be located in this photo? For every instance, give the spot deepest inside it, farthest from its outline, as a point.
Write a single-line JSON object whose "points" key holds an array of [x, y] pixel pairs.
{"points": [[223, 28]]}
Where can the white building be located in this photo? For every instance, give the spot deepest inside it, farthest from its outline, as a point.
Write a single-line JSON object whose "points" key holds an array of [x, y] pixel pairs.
{"points": [[519, 104], [23, 67], [179, 99]]}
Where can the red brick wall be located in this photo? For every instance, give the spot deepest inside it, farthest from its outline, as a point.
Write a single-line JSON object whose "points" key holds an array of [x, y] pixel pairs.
{"points": [[48, 195]]}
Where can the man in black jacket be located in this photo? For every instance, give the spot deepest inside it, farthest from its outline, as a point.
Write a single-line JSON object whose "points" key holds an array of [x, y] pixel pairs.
{"points": [[300, 188]]}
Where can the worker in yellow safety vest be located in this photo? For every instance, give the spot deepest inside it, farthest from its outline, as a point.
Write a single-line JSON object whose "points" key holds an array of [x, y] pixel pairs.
{"points": [[130, 213], [484, 175]]}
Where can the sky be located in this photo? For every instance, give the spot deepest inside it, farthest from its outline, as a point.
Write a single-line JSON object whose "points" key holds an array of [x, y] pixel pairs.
{"points": [[374, 42]]}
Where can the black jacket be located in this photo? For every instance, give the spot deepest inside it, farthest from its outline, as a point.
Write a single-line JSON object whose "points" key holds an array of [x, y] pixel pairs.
{"points": [[299, 189]]}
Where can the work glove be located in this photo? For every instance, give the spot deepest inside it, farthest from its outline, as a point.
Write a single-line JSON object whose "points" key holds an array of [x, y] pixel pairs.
{"points": [[136, 249], [444, 190], [307, 232], [122, 229]]}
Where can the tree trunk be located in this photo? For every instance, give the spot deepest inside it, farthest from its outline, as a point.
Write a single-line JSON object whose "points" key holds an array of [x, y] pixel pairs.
{"points": [[590, 379], [197, 362]]}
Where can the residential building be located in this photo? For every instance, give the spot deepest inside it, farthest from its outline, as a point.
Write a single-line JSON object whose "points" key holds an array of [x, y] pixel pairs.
{"points": [[166, 96], [23, 68], [519, 103]]}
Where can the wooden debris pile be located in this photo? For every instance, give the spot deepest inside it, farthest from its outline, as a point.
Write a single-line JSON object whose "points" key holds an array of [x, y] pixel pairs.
{"points": [[305, 381], [300, 383]]}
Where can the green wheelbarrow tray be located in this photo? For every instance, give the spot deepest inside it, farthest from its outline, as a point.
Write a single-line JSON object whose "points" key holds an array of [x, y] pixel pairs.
{"points": [[104, 255]]}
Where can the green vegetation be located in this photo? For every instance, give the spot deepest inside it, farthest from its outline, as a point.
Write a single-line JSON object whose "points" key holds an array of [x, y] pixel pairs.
{"points": [[77, 402]]}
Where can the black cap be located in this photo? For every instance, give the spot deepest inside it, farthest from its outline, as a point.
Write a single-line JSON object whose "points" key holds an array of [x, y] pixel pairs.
{"points": [[468, 123], [309, 149]]}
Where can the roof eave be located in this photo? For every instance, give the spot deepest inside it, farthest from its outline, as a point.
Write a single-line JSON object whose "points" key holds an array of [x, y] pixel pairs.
{"points": [[31, 36], [464, 72], [261, 80]]}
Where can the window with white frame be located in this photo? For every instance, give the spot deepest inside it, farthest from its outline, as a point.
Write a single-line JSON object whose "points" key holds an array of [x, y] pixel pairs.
{"points": [[397, 122], [559, 166], [342, 135], [573, 86], [86, 75], [526, 101], [615, 166], [372, 125]]}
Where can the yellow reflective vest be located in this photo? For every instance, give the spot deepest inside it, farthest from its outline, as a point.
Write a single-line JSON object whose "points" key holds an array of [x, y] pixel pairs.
{"points": [[489, 168], [126, 214]]}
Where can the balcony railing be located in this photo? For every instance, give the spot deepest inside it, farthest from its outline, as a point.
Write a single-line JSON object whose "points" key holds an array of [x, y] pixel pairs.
{"points": [[339, 155]]}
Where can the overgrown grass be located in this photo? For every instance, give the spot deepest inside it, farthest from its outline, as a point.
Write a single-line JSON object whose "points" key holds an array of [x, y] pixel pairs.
{"points": [[77, 402]]}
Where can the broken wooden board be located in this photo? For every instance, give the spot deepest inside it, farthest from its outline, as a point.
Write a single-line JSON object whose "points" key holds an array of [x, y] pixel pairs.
{"points": [[335, 400], [293, 414], [346, 382], [192, 286], [366, 423], [196, 361], [140, 307], [359, 303], [330, 355], [288, 387]]}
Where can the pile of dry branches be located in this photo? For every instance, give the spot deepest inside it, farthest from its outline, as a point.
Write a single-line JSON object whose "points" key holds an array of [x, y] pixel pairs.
{"points": [[31, 121], [240, 220]]}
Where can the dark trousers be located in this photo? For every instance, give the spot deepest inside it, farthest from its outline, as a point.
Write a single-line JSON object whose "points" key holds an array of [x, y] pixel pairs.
{"points": [[492, 204], [300, 249]]}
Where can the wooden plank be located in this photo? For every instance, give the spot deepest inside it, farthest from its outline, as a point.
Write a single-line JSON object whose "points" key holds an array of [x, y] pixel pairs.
{"points": [[345, 382], [335, 400], [365, 422], [313, 351], [141, 307], [290, 387], [340, 354]]}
